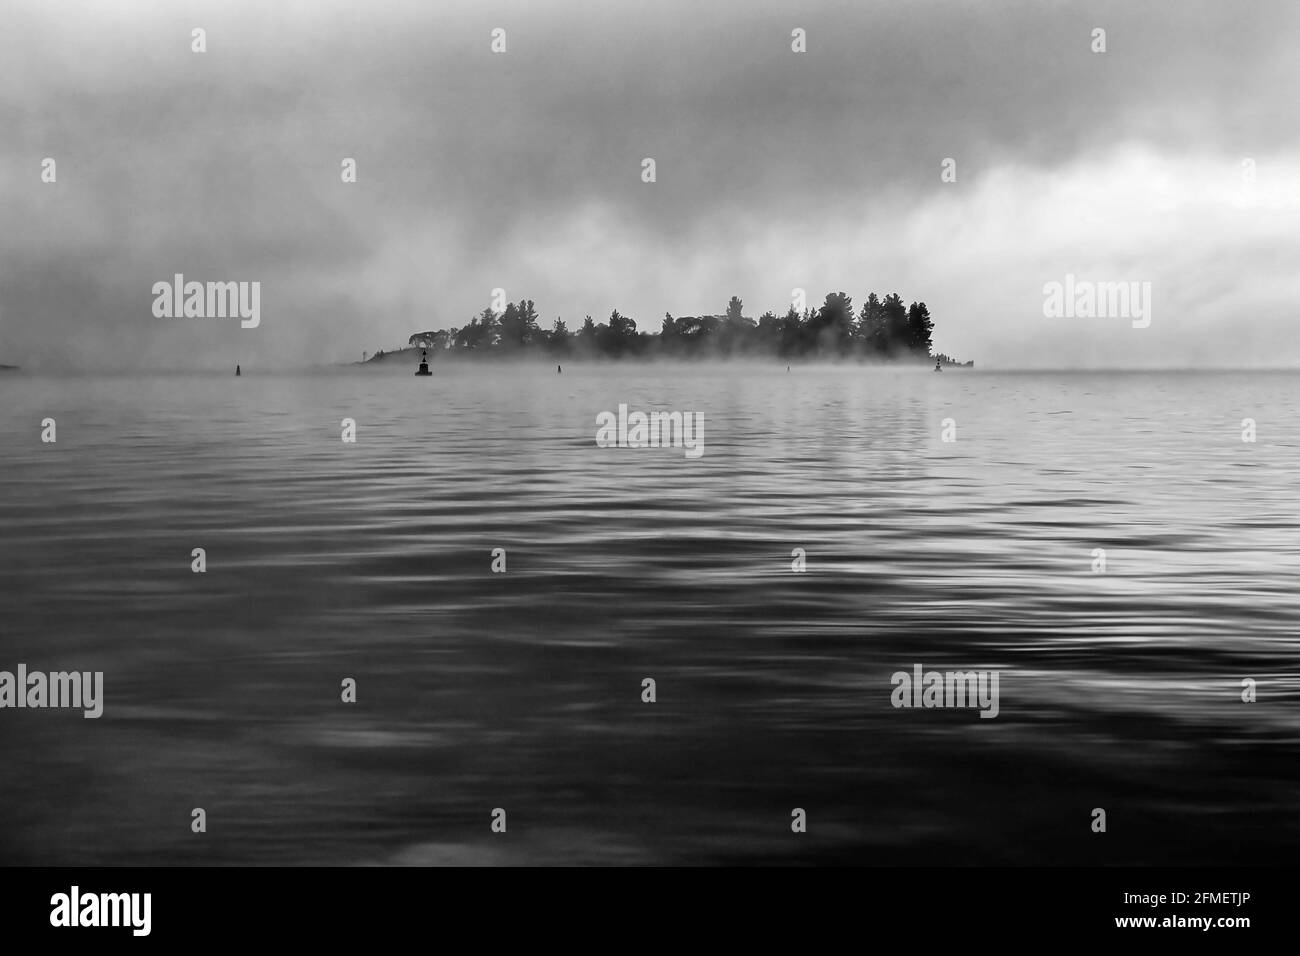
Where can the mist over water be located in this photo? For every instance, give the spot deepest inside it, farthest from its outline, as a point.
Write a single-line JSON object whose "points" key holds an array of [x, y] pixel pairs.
{"points": [[522, 690]]}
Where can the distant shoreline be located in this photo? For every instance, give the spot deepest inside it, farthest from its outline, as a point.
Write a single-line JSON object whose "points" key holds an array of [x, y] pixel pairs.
{"points": [[882, 330], [578, 362], [442, 356]]}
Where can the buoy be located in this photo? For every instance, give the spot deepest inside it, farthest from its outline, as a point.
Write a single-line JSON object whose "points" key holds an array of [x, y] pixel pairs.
{"points": [[424, 363], [236, 371]]}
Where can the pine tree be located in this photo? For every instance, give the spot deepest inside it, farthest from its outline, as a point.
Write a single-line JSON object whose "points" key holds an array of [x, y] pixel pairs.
{"points": [[919, 327]]}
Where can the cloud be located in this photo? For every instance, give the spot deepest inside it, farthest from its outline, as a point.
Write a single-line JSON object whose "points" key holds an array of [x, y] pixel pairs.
{"points": [[522, 170]]}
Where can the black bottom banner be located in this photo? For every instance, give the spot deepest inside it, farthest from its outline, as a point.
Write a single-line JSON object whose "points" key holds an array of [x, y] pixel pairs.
{"points": [[335, 906]]}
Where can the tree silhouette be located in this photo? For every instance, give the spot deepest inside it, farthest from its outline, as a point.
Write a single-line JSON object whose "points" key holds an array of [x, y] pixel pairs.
{"points": [[735, 309], [895, 321], [882, 329], [919, 328], [558, 340]]}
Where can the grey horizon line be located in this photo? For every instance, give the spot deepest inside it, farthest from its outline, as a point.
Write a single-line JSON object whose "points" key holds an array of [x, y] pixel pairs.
{"points": [[544, 361]]}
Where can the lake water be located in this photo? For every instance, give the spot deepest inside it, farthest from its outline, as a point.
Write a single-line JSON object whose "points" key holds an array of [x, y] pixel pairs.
{"points": [[523, 690]]}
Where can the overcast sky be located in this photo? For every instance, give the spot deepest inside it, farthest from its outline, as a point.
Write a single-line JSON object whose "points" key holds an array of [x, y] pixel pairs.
{"points": [[522, 170]]}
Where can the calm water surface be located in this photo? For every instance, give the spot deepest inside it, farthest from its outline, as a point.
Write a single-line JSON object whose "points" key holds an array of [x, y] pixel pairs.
{"points": [[522, 690]]}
